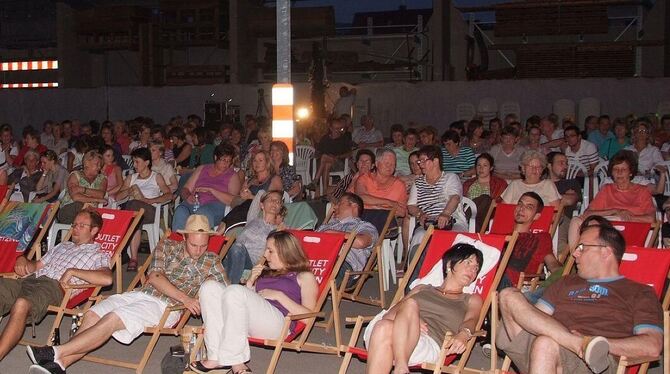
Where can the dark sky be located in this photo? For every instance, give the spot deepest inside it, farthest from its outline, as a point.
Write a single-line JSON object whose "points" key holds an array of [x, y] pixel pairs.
{"points": [[345, 9]]}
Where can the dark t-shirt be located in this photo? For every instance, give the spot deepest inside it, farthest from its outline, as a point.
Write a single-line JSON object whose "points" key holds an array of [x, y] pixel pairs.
{"points": [[565, 185], [330, 146], [613, 308], [529, 252]]}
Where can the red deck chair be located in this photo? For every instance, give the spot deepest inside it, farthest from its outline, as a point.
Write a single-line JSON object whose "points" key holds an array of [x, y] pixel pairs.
{"points": [[326, 253], [502, 221], [117, 228], [8, 248], [636, 233], [216, 246], [440, 242]]}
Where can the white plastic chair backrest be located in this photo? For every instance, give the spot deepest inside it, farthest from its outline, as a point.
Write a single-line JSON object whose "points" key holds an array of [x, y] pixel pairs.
{"points": [[663, 108], [574, 167], [588, 106], [465, 112], [564, 108], [666, 191], [62, 159], [487, 105], [303, 155], [599, 176], [467, 204], [129, 161], [510, 107]]}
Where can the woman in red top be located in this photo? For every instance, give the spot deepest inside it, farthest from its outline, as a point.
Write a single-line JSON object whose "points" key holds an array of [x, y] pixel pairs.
{"points": [[622, 200]]}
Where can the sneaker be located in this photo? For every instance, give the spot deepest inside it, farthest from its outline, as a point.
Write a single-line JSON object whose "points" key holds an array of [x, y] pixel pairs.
{"points": [[40, 355], [46, 368], [486, 350]]}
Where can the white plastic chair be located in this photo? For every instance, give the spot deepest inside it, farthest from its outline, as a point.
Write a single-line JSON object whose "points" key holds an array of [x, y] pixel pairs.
{"points": [[588, 106], [564, 108], [56, 227], [62, 159], [465, 112], [129, 161], [154, 229], [663, 108], [574, 167], [303, 157], [599, 176], [487, 108], [510, 107]]}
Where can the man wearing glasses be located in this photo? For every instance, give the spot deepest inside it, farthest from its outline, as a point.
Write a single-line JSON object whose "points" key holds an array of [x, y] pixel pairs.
{"points": [[76, 262], [584, 319], [580, 150]]}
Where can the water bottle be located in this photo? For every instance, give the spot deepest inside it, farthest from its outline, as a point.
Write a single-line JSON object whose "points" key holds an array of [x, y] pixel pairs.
{"points": [[196, 205], [191, 345]]}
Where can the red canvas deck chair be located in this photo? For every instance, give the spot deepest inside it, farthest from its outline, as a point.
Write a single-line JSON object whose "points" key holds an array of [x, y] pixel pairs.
{"points": [[639, 234], [117, 228], [326, 253], [650, 266], [439, 243], [216, 245], [501, 219], [10, 249]]}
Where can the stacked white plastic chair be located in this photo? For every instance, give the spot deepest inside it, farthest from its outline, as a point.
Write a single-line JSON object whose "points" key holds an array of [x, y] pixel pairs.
{"points": [[465, 112], [564, 108], [588, 106], [487, 109]]}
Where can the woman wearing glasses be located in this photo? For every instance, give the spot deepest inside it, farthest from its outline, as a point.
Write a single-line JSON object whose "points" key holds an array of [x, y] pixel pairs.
{"points": [[649, 156], [533, 165]]}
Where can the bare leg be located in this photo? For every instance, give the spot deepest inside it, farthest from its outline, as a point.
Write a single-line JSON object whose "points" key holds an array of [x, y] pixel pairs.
{"points": [[91, 338], [135, 244], [545, 356], [380, 354], [15, 326], [406, 330], [518, 314]]}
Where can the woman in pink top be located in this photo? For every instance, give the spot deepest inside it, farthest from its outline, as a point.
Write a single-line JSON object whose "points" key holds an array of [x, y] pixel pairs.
{"points": [[622, 200], [112, 171]]}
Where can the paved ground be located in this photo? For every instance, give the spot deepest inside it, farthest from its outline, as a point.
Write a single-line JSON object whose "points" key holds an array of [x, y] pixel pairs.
{"points": [[290, 362]]}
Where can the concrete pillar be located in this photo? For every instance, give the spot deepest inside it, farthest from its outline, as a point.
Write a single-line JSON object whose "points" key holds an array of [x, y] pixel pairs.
{"points": [[440, 35]]}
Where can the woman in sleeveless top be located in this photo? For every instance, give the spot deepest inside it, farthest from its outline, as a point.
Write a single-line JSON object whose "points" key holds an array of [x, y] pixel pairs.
{"points": [[112, 171], [412, 331], [263, 178], [142, 189], [214, 185], [284, 285], [180, 149], [85, 186]]}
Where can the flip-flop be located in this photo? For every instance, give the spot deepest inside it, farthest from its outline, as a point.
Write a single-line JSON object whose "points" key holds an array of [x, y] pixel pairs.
{"points": [[199, 368], [595, 352]]}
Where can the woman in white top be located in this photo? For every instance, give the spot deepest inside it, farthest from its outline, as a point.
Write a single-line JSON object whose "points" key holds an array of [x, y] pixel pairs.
{"points": [[162, 167], [649, 156], [533, 164], [142, 189]]}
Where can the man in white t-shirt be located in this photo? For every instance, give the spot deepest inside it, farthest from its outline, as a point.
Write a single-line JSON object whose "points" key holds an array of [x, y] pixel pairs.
{"points": [[345, 102], [367, 136], [579, 149]]}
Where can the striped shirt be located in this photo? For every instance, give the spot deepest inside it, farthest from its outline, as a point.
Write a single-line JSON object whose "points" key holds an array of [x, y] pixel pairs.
{"points": [[433, 198], [184, 272], [465, 160], [587, 154]]}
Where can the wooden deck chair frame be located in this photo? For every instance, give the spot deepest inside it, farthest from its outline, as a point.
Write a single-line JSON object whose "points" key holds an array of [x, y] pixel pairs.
{"points": [[35, 250], [404, 281], [555, 220], [160, 328], [300, 343], [624, 362], [62, 309]]}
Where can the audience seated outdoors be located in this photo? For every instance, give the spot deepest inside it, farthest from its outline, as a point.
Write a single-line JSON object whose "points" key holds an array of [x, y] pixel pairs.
{"points": [[9, 149], [140, 191], [475, 138], [75, 262], [533, 164], [648, 156], [507, 154], [346, 217], [143, 138], [249, 244], [25, 178], [381, 189], [283, 285], [85, 186], [112, 171], [178, 270], [209, 189], [570, 190], [457, 159], [180, 148], [612, 145], [52, 178], [260, 144], [485, 187], [412, 330], [622, 200], [582, 320], [203, 149], [580, 150], [366, 135], [331, 151], [402, 153], [532, 141], [31, 141], [160, 165]]}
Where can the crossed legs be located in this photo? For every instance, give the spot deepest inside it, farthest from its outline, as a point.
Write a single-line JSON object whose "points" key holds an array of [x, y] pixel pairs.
{"points": [[394, 338], [519, 315]]}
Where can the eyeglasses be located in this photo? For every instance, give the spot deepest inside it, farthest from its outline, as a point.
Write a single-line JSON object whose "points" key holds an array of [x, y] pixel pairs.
{"points": [[641, 131], [81, 225], [581, 247], [422, 160]]}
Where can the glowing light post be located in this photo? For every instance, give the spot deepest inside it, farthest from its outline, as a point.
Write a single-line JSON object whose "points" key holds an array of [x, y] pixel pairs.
{"points": [[282, 115]]}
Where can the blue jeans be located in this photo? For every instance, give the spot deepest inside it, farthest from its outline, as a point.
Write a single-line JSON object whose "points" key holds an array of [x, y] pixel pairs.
{"points": [[214, 212], [237, 260]]}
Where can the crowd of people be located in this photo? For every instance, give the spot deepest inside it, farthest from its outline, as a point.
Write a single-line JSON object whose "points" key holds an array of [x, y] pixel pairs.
{"points": [[211, 178]]}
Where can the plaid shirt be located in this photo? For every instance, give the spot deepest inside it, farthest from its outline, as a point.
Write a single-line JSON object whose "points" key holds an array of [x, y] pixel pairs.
{"points": [[68, 255], [182, 271]]}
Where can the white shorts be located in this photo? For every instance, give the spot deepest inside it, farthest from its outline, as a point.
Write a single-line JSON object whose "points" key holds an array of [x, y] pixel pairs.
{"points": [[136, 310], [426, 350]]}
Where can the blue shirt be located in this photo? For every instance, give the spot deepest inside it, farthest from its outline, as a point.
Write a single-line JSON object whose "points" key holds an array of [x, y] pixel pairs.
{"points": [[356, 257]]}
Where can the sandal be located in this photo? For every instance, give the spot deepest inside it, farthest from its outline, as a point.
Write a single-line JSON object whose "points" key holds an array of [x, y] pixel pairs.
{"points": [[132, 265], [595, 352], [198, 367], [244, 371]]}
